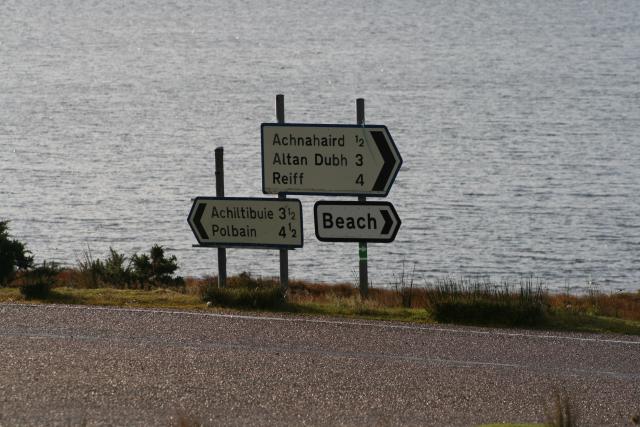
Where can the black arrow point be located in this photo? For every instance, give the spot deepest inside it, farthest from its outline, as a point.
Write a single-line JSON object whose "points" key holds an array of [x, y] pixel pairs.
{"points": [[387, 157], [198, 224], [388, 222]]}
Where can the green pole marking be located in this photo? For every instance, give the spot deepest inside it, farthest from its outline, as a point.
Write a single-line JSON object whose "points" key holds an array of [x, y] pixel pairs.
{"points": [[363, 253]]}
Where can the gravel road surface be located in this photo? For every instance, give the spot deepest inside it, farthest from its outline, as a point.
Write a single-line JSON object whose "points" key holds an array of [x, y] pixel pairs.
{"points": [[73, 365]]}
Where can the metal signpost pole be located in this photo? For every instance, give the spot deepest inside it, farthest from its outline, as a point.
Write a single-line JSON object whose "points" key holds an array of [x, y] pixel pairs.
{"points": [[364, 273], [284, 254], [222, 252]]}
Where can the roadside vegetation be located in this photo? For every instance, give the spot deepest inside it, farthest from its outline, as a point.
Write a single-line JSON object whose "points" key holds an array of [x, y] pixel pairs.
{"points": [[14, 256], [150, 280]]}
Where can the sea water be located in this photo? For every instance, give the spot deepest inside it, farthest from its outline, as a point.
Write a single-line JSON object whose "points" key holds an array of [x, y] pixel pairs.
{"points": [[518, 122]]}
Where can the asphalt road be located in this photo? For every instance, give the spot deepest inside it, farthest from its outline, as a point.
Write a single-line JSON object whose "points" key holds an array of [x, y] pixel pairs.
{"points": [[72, 365]]}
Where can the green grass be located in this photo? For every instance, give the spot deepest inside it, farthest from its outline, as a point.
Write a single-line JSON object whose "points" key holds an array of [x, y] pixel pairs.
{"points": [[161, 298], [579, 322], [354, 308]]}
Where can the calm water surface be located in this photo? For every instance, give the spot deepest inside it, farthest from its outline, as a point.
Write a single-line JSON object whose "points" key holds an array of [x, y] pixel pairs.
{"points": [[518, 121]]}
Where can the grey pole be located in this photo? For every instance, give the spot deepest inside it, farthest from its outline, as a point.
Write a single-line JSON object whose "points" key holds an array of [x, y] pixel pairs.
{"points": [[222, 252], [284, 253], [362, 252]]}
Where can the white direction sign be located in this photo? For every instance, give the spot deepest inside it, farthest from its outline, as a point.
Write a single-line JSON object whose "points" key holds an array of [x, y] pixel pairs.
{"points": [[356, 221], [328, 159], [247, 222]]}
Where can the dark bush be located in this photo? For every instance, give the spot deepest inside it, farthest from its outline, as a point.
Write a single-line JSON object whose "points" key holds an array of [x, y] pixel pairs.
{"points": [[477, 302], [116, 271], [13, 255], [155, 268], [488, 313], [245, 291], [37, 283], [139, 271], [265, 297], [91, 270]]}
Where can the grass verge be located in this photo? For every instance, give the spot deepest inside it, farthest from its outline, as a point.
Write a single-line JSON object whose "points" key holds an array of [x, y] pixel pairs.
{"points": [[248, 294], [157, 298]]}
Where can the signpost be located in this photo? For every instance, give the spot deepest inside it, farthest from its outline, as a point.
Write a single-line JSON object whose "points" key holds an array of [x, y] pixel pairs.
{"points": [[247, 222], [359, 160], [356, 221], [316, 159]]}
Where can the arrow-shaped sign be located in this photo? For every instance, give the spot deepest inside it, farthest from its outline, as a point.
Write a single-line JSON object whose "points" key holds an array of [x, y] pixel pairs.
{"points": [[328, 159], [246, 222], [356, 221]]}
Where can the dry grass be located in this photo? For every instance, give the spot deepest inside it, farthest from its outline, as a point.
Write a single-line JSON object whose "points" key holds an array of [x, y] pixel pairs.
{"points": [[197, 286], [620, 305], [302, 291], [593, 312], [77, 279]]}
